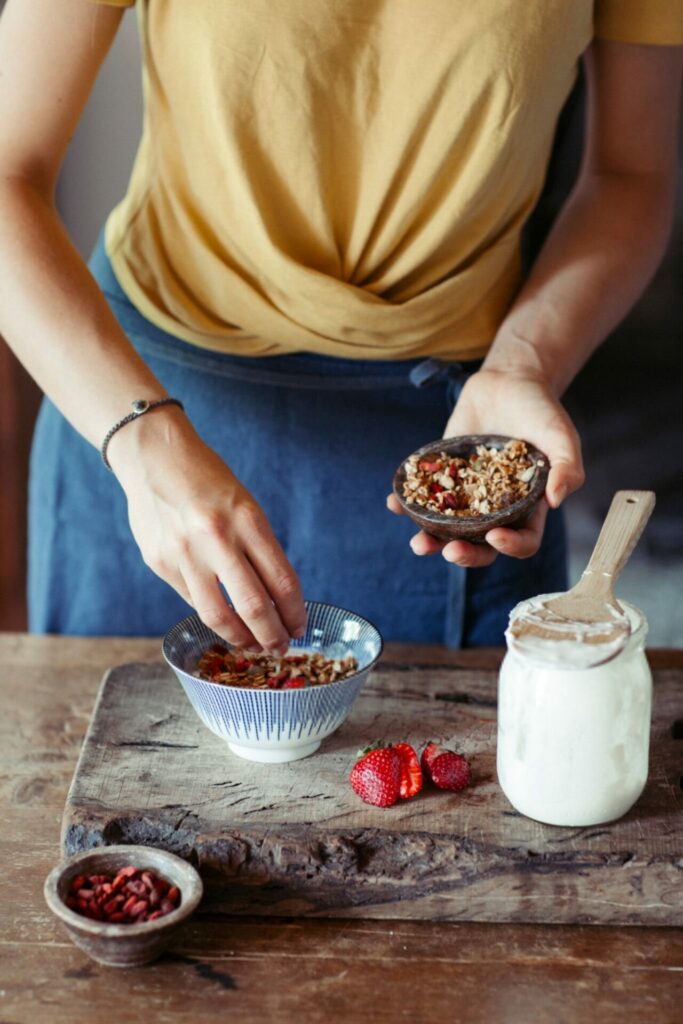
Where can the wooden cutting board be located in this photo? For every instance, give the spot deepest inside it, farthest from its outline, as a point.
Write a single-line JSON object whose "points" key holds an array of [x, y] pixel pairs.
{"points": [[294, 839]]}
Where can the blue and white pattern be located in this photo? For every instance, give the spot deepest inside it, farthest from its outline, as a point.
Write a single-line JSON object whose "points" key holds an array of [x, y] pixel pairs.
{"points": [[277, 725]]}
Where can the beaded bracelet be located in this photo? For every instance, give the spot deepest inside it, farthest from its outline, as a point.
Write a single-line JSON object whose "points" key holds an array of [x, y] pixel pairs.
{"points": [[140, 407]]}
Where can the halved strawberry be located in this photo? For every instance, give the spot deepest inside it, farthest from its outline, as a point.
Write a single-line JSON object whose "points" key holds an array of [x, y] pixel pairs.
{"points": [[431, 751], [445, 768], [376, 777], [411, 773]]}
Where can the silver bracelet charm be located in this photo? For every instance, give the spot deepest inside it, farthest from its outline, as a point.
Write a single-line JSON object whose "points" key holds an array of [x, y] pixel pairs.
{"points": [[140, 407]]}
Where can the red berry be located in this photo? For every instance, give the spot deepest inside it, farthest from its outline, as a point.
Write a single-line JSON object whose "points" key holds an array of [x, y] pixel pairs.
{"points": [[451, 500], [431, 751], [445, 768], [295, 683], [376, 778], [241, 664], [411, 773]]}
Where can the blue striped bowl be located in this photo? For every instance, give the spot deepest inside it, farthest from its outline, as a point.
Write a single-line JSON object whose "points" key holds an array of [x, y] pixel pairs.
{"points": [[277, 725]]}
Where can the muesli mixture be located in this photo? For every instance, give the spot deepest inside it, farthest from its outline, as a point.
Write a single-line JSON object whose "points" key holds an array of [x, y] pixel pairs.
{"points": [[491, 479], [267, 672]]}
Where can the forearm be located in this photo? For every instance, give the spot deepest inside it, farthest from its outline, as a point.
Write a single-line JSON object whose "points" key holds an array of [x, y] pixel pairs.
{"points": [[597, 261], [55, 318]]}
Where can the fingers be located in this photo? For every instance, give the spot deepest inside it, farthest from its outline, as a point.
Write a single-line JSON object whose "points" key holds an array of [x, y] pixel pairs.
{"points": [[523, 542], [423, 544], [393, 505], [281, 582], [206, 597], [283, 586], [468, 556], [243, 554], [563, 478], [518, 543], [254, 604], [563, 447]]}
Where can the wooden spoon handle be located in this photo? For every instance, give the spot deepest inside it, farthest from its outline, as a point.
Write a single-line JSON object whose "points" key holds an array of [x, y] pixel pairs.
{"points": [[623, 525]]}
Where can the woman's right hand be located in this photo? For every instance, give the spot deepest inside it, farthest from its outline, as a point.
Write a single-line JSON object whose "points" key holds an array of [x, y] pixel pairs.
{"points": [[197, 527]]}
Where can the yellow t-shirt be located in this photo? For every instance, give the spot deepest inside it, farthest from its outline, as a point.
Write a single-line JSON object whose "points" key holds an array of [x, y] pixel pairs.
{"points": [[347, 177]]}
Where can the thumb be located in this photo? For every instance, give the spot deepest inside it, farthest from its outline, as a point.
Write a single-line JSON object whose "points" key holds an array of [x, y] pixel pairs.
{"points": [[563, 448]]}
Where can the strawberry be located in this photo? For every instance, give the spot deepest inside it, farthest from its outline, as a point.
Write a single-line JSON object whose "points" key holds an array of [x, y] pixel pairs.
{"points": [[295, 683], [411, 773], [445, 768], [376, 777]]}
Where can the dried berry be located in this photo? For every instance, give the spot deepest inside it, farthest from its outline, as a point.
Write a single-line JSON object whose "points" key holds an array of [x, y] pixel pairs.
{"points": [[492, 479], [124, 898], [267, 672]]}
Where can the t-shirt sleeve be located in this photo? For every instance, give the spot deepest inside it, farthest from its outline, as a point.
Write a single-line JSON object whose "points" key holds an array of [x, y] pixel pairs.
{"points": [[640, 21]]}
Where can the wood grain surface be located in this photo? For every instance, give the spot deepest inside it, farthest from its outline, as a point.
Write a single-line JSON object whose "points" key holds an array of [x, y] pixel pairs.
{"points": [[285, 969], [295, 839]]}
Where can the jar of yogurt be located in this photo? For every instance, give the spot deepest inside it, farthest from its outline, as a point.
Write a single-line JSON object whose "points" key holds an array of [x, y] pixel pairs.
{"points": [[573, 742]]}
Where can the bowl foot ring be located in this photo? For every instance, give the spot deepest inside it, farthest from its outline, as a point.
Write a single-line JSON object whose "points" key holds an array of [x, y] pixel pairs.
{"points": [[274, 755]]}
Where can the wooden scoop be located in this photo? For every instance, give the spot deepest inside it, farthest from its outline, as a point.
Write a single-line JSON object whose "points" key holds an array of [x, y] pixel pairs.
{"points": [[589, 613]]}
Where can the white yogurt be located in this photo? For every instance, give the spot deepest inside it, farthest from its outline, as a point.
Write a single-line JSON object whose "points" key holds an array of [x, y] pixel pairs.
{"points": [[573, 742], [575, 644]]}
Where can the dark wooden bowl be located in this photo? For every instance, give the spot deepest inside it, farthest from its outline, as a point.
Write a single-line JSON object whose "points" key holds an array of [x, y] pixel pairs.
{"points": [[473, 528], [123, 945]]}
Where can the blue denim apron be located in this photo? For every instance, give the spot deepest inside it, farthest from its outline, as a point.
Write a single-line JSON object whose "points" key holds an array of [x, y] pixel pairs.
{"points": [[316, 440]]}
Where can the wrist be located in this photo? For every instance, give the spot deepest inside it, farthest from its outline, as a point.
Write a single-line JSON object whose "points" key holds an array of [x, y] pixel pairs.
{"points": [[516, 356], [148, 444]]}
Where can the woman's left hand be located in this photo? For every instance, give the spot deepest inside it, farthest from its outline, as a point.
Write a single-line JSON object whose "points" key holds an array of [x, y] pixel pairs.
{"points": [[517, 405]]}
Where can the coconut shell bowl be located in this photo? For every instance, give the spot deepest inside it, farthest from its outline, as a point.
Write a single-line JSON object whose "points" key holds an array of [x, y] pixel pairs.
{"points": [[468, 526]]}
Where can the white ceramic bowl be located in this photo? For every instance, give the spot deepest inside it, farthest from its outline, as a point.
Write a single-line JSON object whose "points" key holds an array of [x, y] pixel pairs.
{"points": [[277, 725]]}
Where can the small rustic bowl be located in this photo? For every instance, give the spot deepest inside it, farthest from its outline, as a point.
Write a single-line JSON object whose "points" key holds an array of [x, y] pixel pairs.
{"points": [[473, 528], [273, 726], [123, 945]]}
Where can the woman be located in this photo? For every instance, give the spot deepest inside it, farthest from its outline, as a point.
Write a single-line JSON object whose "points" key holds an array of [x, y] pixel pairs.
{"points": [[324, 213]]}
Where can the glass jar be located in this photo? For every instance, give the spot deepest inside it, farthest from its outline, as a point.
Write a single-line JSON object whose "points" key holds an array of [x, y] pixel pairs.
{"points": [[573, 743]]}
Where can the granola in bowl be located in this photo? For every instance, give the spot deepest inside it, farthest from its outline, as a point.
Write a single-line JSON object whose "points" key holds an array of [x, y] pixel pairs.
{"points": [[459, 488], [489, 480], [235, 667]]}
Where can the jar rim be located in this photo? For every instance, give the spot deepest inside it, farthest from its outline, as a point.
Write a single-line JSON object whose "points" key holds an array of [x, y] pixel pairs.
{"points": [[636, 638]]}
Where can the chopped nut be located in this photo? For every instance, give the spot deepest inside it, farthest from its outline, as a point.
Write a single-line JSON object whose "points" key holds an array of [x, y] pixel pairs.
{"points": [[266, 672], [492, 479]]}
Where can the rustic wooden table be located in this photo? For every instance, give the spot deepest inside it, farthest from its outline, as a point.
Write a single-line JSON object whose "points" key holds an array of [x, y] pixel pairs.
{"points": [[279, 970]]}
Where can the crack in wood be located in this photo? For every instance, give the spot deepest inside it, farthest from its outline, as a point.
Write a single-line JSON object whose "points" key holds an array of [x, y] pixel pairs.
{"points": [[181, 819], [467, 698], [391, 667], [155, 744], [206, 971]]}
